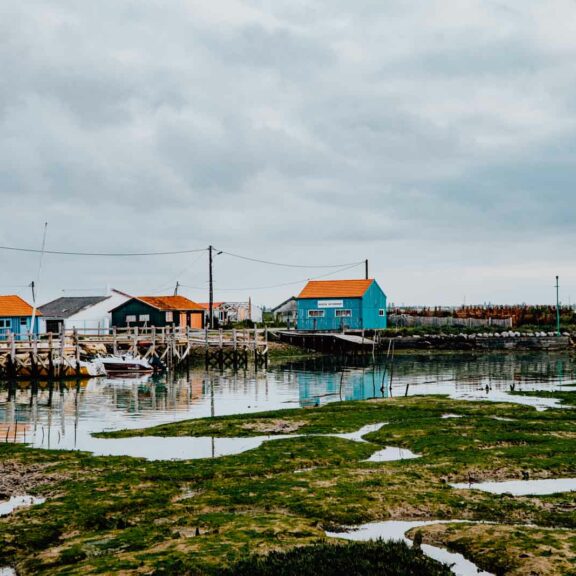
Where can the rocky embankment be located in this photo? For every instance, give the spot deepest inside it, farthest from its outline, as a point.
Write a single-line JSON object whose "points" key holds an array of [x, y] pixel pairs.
{"points": [[487, 341]]}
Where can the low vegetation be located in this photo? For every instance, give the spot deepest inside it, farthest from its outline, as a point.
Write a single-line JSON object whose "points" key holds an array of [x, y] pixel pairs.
{"points": [[108, 515], [355, 559]]}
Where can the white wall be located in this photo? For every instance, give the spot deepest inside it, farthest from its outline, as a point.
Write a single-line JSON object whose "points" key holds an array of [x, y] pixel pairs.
{"points": [[97, 316]]}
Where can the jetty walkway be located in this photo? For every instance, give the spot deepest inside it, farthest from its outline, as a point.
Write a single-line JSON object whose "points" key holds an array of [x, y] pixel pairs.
{"points": [[55, 356]]}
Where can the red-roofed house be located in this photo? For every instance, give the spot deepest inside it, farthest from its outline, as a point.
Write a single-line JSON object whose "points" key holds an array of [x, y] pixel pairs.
{"points": [[16, 317], [145, 311], [331, 305]]}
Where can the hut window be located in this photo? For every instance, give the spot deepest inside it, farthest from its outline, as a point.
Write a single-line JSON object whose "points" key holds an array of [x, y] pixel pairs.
{"points": [[130, 318], [4, 323], [315, 313], [23, 322], [343, 313], [169, 317], [144, 318], [381, 312]]}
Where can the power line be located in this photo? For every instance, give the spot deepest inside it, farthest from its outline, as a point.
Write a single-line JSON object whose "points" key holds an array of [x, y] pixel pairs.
{"points": [[177, 277], [351, 264], [277, 285], [63, 253], [172, 253]]}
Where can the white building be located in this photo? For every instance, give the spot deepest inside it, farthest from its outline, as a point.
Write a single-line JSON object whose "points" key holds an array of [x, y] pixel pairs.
{"points": [[85, 313]]}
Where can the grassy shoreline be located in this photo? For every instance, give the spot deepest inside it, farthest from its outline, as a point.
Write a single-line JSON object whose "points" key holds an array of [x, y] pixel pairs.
{"points": [[125, 515]]}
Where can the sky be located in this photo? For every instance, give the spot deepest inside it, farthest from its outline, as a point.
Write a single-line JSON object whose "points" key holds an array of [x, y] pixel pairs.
{"points": [[436, 139]]}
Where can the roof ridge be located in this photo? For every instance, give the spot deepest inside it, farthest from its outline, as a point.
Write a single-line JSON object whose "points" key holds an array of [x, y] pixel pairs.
{"points": [[350, 288]]}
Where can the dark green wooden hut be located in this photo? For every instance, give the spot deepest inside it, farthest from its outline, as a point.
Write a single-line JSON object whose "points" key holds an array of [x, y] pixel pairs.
{"points": [[159, 311]]}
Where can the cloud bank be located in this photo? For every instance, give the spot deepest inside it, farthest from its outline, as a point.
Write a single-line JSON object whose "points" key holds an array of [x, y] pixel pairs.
{"points": [[435, 138]]}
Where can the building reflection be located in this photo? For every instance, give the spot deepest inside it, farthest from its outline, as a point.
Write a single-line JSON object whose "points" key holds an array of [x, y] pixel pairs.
{"points": [[57, 414]]}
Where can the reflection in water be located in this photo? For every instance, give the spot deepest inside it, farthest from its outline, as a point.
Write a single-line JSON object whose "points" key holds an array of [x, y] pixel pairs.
{"points": [[391, 454], [64, 415], [396, 530], [524, 487], [15, 502]]}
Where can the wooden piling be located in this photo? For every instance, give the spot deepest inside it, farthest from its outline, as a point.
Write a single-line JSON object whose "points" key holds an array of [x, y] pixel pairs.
{"points": [[77, 352], [62, 363]]}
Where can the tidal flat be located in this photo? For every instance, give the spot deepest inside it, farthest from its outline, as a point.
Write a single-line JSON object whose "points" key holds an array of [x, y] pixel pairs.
{"points": [[110, 515]]}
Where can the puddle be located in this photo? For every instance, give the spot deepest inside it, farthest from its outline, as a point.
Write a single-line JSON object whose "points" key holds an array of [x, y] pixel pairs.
{"points": [[396, 530], [7, 572], [303, 470], [502, 419], [392, 454], [194, 448], [523, 487], [357, 436], [446, 416], [18, 502], [179, 448]]}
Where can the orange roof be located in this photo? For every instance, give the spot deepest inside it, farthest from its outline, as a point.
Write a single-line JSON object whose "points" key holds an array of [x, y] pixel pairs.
{"points": [[335, 289], [15, 306], [206, 305], [170, 302]]}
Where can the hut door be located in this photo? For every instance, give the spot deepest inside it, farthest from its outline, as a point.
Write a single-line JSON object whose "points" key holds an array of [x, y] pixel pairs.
{"points": [[183, 320]]}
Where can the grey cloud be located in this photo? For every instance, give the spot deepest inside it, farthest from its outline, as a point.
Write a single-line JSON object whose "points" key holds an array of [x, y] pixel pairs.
{"points": [[406, 132]]}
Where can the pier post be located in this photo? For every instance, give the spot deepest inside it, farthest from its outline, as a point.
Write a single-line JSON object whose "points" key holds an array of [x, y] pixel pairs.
{"points": [[235, 349], [50, 357], [220, 349], [77, 352], [206, 351], [12, 371], [33, 355], [61, 364]]}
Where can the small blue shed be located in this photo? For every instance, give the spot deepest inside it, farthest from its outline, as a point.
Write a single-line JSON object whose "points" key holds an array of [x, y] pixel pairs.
{"points": [[16, 317], [332, 305]]}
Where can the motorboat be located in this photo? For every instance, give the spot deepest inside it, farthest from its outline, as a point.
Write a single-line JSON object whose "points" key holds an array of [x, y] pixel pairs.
{"points": [[126, 364]]}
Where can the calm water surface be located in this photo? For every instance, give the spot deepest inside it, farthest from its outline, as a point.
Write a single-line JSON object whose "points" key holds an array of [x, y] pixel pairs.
{"points": [[396, 530], [63, 416]]}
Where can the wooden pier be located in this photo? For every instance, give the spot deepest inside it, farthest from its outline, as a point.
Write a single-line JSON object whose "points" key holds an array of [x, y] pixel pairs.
{"points": [[333, 343], [63, 355]]}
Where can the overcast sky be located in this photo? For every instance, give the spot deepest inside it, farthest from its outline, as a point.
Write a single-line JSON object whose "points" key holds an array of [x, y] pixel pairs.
{"points": [[436, 138]]}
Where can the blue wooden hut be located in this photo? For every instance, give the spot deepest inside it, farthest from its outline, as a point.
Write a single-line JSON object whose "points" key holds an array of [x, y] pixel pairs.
{"points": [[16, 317], [332, 305]]}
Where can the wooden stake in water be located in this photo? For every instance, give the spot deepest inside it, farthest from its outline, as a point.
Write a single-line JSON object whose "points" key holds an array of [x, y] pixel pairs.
{"points": [[382, 387]]}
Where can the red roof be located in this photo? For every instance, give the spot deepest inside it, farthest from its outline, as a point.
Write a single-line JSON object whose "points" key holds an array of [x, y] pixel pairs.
{"points": [[206, 305], [15, 306], [170, 302], [335, 288]]}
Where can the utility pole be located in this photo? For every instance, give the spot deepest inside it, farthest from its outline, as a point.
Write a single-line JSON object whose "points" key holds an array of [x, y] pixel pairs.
{"points": [[176, 289], [211, 282], [557, 306], [366, 268]]}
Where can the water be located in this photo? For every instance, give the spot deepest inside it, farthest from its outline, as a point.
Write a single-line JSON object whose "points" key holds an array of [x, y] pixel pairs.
{"points": [[192, 448], [396, 530], [392, 453], [7, 508], [15, 502], [524, 487], [64, 416]]}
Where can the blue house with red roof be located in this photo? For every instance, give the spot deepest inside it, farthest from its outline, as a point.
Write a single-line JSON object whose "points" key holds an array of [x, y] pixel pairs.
{"points": [[333, 305], [16, 317]]}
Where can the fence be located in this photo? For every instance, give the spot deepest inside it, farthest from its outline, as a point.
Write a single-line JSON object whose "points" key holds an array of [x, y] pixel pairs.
{"points": [[409, 320]]}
